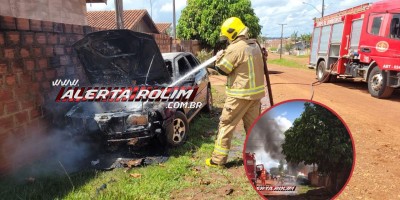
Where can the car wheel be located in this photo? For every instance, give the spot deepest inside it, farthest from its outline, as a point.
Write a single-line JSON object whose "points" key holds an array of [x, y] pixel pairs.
{"points": [[178, 135], [209, 106], [323, 75], [377, 84]]}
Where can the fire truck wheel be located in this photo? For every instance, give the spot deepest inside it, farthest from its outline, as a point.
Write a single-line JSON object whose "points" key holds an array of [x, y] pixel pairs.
{"points": [[323, 75], [178, 135], [377, 84]]}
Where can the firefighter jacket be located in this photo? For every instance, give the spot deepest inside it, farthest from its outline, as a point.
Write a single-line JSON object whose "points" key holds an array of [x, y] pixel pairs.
{"points": [[243, 63]]}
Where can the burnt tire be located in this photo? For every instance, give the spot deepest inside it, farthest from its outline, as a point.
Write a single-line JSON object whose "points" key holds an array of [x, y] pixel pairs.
{"points": [[323, 75], [377, 84], [179, 132], [209, 106]]}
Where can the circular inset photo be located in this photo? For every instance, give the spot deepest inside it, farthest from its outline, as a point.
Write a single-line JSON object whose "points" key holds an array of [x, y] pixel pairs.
{"points": [[299, 149]]}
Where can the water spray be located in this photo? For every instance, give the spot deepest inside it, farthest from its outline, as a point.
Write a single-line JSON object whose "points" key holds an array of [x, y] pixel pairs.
{"points": [[193, 71]]}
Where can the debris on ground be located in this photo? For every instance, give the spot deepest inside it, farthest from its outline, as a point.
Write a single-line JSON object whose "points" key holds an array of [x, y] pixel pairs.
{"points": [[229, 191], [132, 163], [135, 175], [102, 187], [202, 182]]}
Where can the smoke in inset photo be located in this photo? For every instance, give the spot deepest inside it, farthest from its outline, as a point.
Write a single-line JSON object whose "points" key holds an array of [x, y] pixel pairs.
{"points": [[299, 150]]}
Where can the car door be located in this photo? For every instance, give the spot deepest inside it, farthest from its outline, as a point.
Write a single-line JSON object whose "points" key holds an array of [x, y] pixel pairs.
{"points": [[201, 81]]}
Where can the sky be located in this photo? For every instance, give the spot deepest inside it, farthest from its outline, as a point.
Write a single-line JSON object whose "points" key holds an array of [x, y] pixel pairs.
{"points": [[294, 13], [267, 135]]}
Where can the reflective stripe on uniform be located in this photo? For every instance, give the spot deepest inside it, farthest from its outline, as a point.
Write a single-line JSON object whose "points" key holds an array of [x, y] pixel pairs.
{"points": [[252, 79], [220, 150], [245, 92], [226, 64]]}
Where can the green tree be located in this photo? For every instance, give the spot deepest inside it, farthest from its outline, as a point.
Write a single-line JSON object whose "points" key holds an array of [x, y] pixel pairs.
{"points": [[306, 39], [294, 37], [319, 137], [202, 19]]}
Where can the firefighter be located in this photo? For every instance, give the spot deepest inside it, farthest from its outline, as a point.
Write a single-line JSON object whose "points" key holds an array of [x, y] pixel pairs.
{"points": [[243, 65], [263, 177]]}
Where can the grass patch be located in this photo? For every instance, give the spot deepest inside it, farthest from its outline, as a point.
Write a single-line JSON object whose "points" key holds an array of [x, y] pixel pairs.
{"points": [[183, 171], [287, 63]]}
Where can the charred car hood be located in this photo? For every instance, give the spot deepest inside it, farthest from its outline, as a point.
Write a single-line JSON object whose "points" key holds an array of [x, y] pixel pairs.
{"points": [[121, 58]]}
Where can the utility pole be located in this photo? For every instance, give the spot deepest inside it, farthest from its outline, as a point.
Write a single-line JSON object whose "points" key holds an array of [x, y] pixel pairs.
{"points": [[119, 12], [174, 22], [280, 51], [323, 8], [151, 9]]}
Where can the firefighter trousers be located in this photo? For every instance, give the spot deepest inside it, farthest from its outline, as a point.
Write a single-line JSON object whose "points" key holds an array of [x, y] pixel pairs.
{"points": [[234, 110]]}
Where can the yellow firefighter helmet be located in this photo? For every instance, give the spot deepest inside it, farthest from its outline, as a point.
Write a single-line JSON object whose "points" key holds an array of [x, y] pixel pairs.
{"points": [[231, 28]]}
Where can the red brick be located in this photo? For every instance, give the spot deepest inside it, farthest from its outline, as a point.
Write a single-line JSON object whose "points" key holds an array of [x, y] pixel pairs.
{"points": [[11, 107], [39, 76], [47, 26], [36, 25], [68, 50], [63, 39], [37, 52], [9, 53], [49, 51], [60, 71], [25, 78], [65, 60], [27, 39], [22, 24], [24, 52], [58, 27], [68, 28], [1, 110], [59, 50], [52, 38], [42, 63], [29, 64], [77, 29], [7, 22], [35, 113], [12, 38], [6, 95], [21, 117], [11, 80], [1, 39], [6, 123], [27, 104], [22, 92], [35, 87], [17, 67], [40, 38], [50, 74], [45, 85], [3, 68]]}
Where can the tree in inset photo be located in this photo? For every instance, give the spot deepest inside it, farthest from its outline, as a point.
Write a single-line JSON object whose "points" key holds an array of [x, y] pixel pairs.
{"points": [[319, 138]]}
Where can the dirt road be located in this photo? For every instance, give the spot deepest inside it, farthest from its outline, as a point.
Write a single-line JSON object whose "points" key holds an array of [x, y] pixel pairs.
{"points": [[374, 124]]}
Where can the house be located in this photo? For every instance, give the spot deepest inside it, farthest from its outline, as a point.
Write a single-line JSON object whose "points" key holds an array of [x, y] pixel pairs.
{"points": [[163, 27], [60, 11], [136, 20]]}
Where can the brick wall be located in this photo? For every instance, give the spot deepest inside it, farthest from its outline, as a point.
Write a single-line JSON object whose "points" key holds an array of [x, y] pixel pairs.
{"points": [[164, 42], [32, 54]]}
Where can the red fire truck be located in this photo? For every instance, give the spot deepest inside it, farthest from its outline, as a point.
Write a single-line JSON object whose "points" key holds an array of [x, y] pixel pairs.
{"points": [[360, 42], [253, 171]]}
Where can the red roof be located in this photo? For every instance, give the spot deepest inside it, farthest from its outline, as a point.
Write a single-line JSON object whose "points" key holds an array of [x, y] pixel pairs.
{"points": [[106, 19], [162, 27]]}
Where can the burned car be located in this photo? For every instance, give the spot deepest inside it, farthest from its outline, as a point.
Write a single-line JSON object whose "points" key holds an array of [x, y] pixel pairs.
{"points": [[116, 58]]}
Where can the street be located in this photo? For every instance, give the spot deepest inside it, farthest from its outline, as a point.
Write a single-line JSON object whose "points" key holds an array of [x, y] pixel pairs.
{"points": [[374, 124]]}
